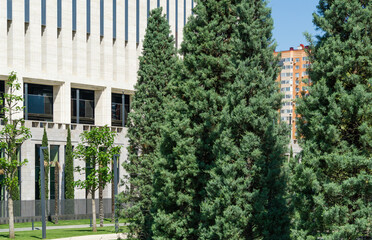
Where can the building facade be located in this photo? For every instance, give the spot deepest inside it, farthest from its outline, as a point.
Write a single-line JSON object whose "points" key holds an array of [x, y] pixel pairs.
{"points": [[77, 62], [293, 80]]}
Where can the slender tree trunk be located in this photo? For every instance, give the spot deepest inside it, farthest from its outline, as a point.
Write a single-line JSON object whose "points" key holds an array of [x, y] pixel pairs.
{"points": [[112, 196], [100, 204], [56, 191], [94, 220], [11, 217]]}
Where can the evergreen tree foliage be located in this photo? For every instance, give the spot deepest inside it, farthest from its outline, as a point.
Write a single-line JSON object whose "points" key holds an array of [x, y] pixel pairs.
{"points": [[245, 196], [191, 127], [333, 184], [221, 149], [44, 143], [291, 152], [156, 69], [69, 168]]}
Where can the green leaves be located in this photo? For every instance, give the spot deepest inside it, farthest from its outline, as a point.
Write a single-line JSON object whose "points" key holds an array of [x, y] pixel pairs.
{"points": [[96, 150], [13, 134]]}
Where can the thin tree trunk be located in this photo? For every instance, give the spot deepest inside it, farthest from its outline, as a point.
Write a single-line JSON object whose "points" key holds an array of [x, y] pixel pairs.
{"points": [[94, 220], [112, 195], [100, 205], [11, 217], [56, 186]]}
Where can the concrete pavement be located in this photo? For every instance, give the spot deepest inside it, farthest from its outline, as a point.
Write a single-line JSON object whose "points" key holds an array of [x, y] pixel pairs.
{"points": [[114, 236]]}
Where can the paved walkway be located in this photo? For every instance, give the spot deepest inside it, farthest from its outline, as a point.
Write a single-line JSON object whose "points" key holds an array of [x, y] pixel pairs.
{"points": [[60, 227], [97, 237]]}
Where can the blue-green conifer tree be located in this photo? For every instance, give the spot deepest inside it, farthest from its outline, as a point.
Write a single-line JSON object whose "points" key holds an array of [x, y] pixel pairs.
{"points": [[156, 70], [333, 183], [218, 175]]}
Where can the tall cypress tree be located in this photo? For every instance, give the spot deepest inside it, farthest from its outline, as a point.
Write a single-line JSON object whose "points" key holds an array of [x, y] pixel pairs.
{"points": [[156, 69], [333, 184], [245, 194], [44, 143], [69, 168]]}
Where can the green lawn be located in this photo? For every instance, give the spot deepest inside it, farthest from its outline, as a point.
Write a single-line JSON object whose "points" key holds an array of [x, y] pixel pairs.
{"points": [[60, 223], [61, 233]]}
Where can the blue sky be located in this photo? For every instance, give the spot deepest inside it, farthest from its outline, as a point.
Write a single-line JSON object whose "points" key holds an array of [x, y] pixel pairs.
{"points": [[291, 19]]}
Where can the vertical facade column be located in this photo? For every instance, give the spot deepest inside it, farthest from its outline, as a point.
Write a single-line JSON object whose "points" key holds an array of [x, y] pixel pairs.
{"points": [[62, 103], [18, 36], [102, 107]]}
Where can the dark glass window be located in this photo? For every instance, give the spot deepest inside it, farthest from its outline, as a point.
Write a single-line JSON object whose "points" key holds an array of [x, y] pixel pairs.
{"points": [[2, 90], [119, 114], [64, 174], [2, 185], [2, 86], [37, 171], [38, 179], [39, 102], [184, 12], [54, 158], [43, 12], [59, 13], [88, 16], [82, 106], [148, 8], [2, 188], [9, 10], [137, 21], [114, 19], [74, 15], [168, 10], [102, 17], [158, 5], [18, 153], [27, 11], [176, 22], [126, 20], [88, 169]]}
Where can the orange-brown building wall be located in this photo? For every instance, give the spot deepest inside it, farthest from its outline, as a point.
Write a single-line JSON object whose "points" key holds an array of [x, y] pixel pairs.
{"points": [[299, 57]]}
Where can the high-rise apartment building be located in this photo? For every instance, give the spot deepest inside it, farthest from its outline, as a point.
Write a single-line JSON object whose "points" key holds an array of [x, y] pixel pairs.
{"points": [[293, 80], [77, 62]]}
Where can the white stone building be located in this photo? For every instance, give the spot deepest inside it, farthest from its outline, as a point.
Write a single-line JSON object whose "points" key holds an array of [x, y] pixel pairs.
{"points": [[77, 61]]}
